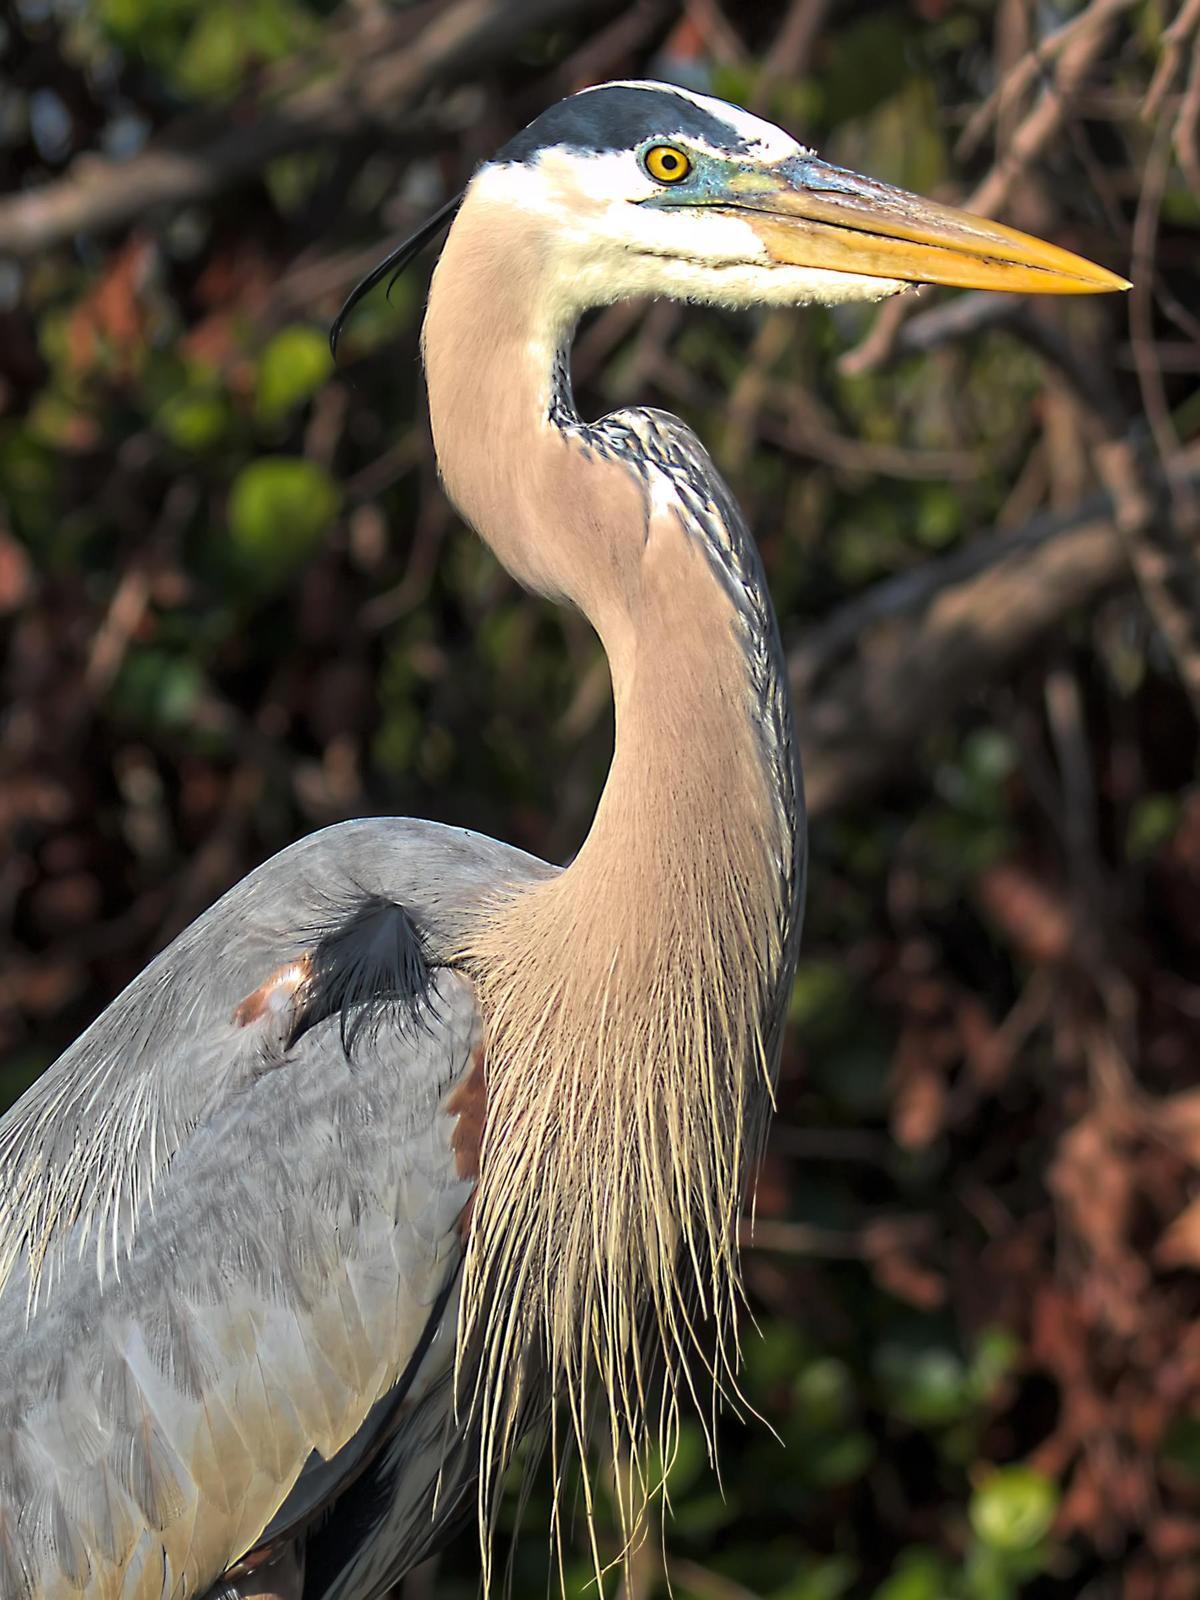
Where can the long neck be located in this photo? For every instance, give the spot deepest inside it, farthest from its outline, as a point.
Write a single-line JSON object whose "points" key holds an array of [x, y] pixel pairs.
{"points": [[632, 1004], [592, 515]]}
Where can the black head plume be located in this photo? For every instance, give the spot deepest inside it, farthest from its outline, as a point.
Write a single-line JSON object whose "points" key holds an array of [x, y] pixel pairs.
{"points": [[395, 264]]}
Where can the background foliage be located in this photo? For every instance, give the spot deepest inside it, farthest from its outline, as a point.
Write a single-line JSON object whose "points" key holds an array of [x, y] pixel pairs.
{"points": [[235, 607]]}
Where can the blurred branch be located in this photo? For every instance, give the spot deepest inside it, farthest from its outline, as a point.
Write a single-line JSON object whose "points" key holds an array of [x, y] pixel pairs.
{"points": [[383, 73], [943, 631], [955, 319], [600, 55], [864, 1243], [1024, 74], [1088, 36], [804, 431], [1174, 43], [1075, 61], [693, 1578], [1187, 126], [1159, 547], [788, 57], [1141, 297], [721, 39]]}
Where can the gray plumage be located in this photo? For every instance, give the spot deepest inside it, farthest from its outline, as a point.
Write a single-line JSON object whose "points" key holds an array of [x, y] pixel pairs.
{"points": [[173, 1383]]}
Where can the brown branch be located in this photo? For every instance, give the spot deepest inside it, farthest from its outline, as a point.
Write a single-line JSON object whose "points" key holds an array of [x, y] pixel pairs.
{"points": [[800, 425], [704, 1582], [603, 53], [960, 318], [1047, 117], [788, 57], [1187, 126], [1174, 42], [927, 640], [383, 74], [1078, 54], [1021, 77], [1161, 550], [721, 38], [835, 1244]]}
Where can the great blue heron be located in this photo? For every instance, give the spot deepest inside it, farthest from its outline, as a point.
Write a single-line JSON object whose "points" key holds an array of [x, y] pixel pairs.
{"points": [[413, 1142]]}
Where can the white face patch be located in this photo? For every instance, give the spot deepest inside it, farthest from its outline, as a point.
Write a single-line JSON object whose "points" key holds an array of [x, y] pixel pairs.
{"points": [[600, 244], [599, 247]]}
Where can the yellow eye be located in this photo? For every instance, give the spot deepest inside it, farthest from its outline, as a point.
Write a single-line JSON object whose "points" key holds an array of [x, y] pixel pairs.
{"points": [[666, 163]]}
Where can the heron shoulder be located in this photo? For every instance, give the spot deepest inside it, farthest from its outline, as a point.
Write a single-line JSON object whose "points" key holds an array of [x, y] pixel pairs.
{"points": [[259, 1145], [342, 927]]}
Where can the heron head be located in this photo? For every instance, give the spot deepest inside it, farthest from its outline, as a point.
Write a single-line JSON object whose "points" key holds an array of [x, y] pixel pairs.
{"points": [[650, 189]]}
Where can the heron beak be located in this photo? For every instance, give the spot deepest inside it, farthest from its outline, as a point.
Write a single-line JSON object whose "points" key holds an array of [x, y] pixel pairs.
{"points": [[811, 214]]}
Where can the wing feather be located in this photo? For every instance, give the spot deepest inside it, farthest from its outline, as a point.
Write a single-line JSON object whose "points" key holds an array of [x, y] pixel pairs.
{"points": [[228, 1219]]}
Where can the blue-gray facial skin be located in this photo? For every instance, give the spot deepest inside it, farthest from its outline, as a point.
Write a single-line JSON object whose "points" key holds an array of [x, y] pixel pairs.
{"points": [[718, 180], [707, 183]]}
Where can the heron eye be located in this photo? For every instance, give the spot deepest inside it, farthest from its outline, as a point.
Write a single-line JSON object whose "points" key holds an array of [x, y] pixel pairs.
{"points": [[667, 164]]}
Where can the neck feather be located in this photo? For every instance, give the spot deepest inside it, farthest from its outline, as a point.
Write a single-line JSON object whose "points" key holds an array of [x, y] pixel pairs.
{"points": [[632, 1004]]}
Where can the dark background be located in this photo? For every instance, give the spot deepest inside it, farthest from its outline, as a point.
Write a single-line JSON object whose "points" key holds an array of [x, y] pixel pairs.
{"points": [[235, 607]]}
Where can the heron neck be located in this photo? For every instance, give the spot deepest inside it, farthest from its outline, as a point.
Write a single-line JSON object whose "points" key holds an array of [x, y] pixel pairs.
{"points": [[632, 1003], [703, 766]]}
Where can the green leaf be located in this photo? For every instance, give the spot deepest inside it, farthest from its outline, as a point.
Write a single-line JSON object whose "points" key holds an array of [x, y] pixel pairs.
{"points": [[989, 755], [1014, 1509], [824, 1394], [132, 20], [193, 421], [819, 1580], [279, 506], [939, 516], [157, 689], [855, 1078], [18, 1071], [776, 1354], [1152, 821], [919, 1575], [293, 365], [995, 1355], [212, 60], [837, 1459], [691, 1460], [822, 997], [926, 1385], [28, 480], [696, 1514], [987, 1575], [229, 38], [1182, 1446]]}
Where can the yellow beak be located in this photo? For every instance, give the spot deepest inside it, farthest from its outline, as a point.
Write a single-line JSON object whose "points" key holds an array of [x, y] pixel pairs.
{"points": [[811, 214]]}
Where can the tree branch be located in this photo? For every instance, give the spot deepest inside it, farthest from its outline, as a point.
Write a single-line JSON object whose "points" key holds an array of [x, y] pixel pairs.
{"points": [[928, 638], [383, 74], [1079, 48]]}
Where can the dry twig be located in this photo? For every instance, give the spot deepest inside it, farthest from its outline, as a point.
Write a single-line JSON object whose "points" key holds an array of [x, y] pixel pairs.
{"points": [[928, 639], [1090, 34], [1021, 77], [1174, 42]]}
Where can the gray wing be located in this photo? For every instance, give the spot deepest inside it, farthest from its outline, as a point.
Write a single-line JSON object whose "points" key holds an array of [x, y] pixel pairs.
{"points": [[228, 1219]]}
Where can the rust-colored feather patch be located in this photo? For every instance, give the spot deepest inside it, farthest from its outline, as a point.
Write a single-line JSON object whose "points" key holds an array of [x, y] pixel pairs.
{"points": [[467, 1103], [275, 995]]}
